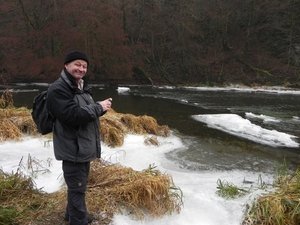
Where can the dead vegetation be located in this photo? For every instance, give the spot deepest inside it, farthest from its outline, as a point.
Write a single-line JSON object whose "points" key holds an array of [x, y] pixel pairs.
{"points": [[12, 121], [114, 127], [147, 192], [112, 188], [19, 198], [279, 207]]}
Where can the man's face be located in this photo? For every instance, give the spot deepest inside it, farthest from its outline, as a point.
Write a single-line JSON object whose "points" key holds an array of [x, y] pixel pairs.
{"points": [[77, 68]]}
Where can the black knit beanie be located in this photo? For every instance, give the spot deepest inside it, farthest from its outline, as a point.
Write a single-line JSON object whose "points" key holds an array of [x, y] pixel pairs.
{"points": [[76, 55]]}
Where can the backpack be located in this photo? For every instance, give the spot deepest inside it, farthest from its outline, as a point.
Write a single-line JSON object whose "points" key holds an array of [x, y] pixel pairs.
{"points": [[40, 114]]}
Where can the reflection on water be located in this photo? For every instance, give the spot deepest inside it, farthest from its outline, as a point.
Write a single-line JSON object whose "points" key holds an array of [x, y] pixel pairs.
{"points": [[208, 148]]}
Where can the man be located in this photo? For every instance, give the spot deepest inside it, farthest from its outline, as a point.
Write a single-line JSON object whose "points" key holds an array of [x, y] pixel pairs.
{"points": [[76, 137]]}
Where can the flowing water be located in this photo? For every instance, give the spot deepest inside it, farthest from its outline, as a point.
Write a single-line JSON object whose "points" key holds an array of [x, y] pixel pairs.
{"points": [[222, 128]]}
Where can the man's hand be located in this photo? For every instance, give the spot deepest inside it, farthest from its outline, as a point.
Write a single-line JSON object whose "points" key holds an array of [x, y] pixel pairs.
{"points": [[106, 104]]}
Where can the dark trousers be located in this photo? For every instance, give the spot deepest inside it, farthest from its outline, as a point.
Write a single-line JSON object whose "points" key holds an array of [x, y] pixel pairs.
{"points": [[76, 175]]}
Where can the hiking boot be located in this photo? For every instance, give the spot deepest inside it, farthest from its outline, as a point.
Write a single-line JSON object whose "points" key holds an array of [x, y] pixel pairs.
{"points": [[66, 217], [89, 217]]}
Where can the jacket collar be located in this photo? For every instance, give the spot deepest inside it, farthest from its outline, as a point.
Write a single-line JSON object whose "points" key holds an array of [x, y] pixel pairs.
{"points": [[68, 78]]}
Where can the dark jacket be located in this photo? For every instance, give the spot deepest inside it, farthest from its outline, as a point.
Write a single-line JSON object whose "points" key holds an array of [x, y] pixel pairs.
{"points": [[76, 135]]}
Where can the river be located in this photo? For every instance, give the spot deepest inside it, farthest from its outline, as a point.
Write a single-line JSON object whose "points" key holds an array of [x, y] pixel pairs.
{"points": [[222, 128]]}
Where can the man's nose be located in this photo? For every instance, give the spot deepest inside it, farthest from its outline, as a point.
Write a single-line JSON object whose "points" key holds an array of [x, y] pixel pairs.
{"points": [[81, 67]]}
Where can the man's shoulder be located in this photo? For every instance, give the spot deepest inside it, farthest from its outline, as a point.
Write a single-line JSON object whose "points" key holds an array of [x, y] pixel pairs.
{"points": [[58, 84], [59, 88]]}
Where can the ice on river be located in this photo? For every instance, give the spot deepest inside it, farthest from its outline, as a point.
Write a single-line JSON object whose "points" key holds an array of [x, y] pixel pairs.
{"points": [[238, 126]]}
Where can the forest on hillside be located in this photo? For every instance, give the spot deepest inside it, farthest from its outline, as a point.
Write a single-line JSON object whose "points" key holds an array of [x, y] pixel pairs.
{"points": [[177, 42]]}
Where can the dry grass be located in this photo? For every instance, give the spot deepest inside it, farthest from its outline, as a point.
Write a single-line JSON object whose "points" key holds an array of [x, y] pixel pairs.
{"points": [[112, 189], [114, 127], [147, 192], [19, 199], [280, 207], [14, 122]]}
